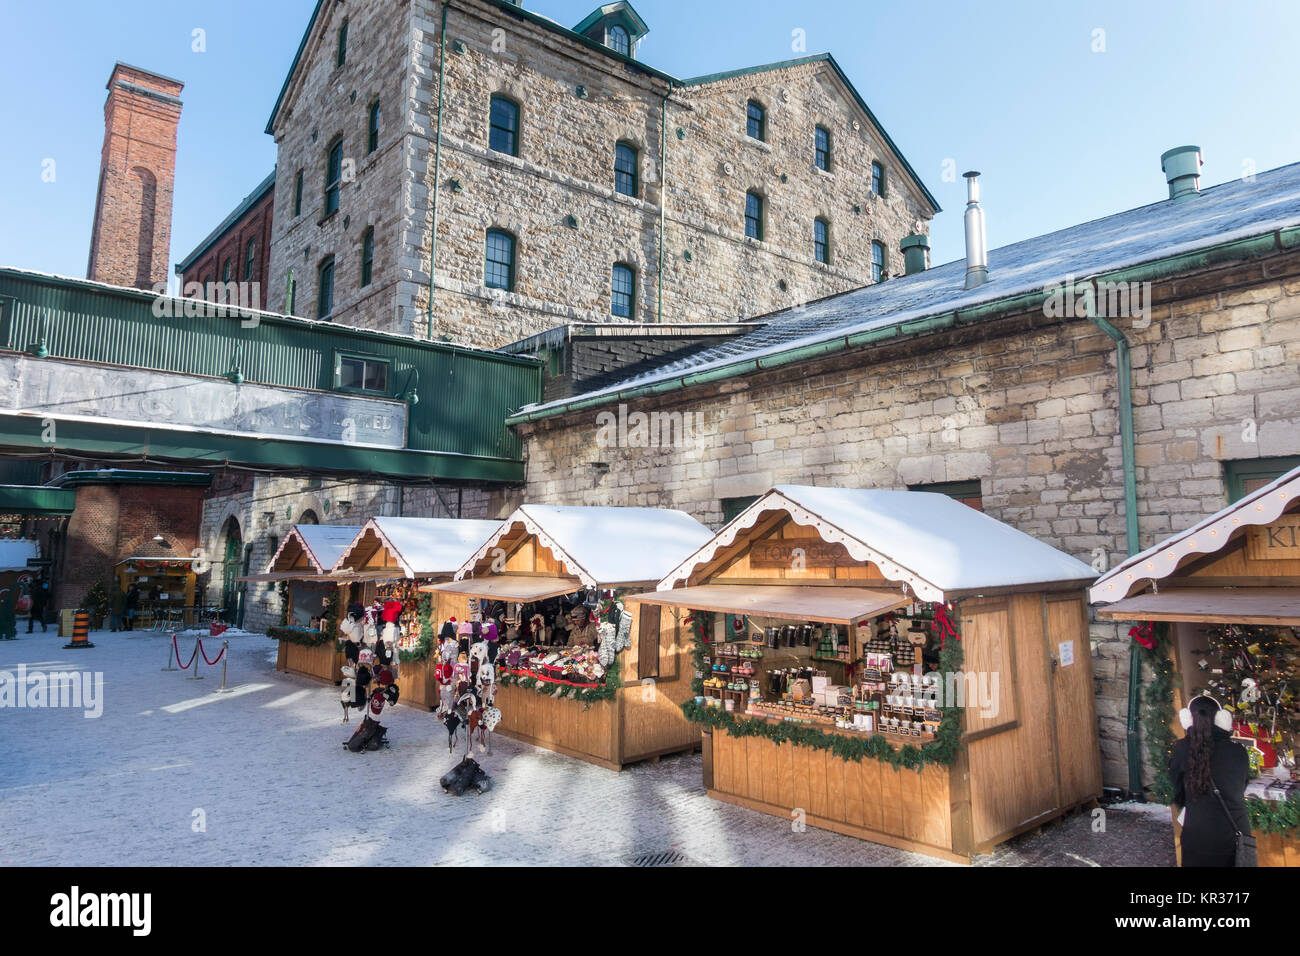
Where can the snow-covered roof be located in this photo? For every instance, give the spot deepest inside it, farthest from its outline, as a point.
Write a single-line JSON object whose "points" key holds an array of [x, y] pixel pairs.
{"points": [[1262, 506], [14, 553], [605, 546], [934, 543], [426, 546], [1238, 209], [323, 544]]}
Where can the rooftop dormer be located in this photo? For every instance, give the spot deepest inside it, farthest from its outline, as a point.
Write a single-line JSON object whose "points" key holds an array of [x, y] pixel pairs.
{"points": [[615, 25]]}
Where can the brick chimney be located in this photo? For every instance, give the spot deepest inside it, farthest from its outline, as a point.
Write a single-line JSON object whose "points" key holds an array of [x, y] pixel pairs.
{"points": [[131, 237]]}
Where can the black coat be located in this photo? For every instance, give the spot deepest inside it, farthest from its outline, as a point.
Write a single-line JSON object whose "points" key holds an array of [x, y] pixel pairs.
{"points": [[1208, 835]]}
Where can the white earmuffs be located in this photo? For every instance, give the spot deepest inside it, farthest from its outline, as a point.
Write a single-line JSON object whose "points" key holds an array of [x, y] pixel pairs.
{"points": [[1222, 718]]}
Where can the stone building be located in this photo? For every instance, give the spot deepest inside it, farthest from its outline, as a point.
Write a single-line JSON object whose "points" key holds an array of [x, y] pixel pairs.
{"points": [[131, 235], [569, 182], [238, 250], [1004, 394]]}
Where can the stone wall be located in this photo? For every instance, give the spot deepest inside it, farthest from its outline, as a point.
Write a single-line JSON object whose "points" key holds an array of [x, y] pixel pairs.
{"points": [[1023, 403], [557, 196]]}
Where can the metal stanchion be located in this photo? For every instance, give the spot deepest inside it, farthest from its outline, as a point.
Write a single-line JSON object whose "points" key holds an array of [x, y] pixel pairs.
{"points": [[171, 652], [196, 675], [225, 659]]}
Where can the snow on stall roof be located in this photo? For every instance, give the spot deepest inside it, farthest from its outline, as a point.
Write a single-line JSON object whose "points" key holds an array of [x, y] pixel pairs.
{"points": [[14, 553], [1233, 210], [427, 546], [326, 542], [616, 545], [947, 543]]}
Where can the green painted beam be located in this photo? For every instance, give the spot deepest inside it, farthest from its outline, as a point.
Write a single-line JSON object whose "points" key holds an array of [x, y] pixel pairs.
{"points": [[36, 500]]}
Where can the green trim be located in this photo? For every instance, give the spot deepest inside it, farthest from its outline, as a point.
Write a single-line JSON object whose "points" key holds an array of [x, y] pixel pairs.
{"points": [[1237, 473], [1152, 270], [216, 451], [853, 91], [36, 500], [111, 476]]}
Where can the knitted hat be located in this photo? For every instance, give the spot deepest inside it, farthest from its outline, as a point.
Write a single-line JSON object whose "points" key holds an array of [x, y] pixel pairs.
{"points": [[392, 610], [466, 629], [448, 630]]}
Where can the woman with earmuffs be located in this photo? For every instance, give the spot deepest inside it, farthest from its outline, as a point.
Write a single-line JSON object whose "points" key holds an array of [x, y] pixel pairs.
{"points": [[1208, 771]]}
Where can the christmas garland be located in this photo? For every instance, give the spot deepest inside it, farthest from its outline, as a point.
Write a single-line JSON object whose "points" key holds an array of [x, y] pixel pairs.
{"points": [[1158, 709], [1275, 816], [282, 589], [942, 750], [299, 635], [562, 691]]}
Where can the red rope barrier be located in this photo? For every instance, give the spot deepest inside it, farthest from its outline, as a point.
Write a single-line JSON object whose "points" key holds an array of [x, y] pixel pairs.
{"points": [[177, 651], [199, 645]]}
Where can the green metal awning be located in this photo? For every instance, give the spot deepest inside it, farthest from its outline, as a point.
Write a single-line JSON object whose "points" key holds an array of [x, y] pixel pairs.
{"points": [[36, 500]]}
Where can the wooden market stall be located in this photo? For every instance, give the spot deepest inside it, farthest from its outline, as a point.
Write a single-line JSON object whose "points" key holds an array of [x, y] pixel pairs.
{"points": [[1224, 599], [542, 554], [391, 558], [303, 563], [816, 612]]}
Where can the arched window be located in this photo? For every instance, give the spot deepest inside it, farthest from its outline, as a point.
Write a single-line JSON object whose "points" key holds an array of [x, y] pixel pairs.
{"points": [[753, 215], [877, 261], [756, 123], [823, 148], [367, 256], [623, 291], [325, 288], [333, 176], [250, 259], [144, 240], [616, 39], [503, 126], [822, 240], [290, 293], [499, 261], [626, 180], [341, 54], [297, 194], [878, 179]]}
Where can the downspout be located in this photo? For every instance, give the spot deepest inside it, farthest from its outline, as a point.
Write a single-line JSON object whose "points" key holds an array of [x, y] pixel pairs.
{"points": [[437, 158], [663, 193], [1125, 368]]}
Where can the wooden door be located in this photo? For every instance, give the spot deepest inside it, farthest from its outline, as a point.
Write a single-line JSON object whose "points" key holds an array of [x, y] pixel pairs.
{"points": [[1065, 625]]}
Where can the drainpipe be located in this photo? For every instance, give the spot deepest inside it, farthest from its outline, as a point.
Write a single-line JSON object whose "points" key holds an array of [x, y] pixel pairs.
{"points": [[663, 193], [1125, 368], [437, 158]]}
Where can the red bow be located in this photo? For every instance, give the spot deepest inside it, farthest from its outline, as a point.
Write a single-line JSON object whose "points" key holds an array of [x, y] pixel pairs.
{"points": [[946, 627], [1144, 634]]}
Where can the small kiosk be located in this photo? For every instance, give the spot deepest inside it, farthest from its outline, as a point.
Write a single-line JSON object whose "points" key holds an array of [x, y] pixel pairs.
{"points": [[166, 587], [392, 558], [547, 575], [892, 665], [1218, 609], [303, 563]]}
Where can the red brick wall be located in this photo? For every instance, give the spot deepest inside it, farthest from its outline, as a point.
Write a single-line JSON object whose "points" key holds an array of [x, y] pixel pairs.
{"points": [[131, 238], [113, 522], [255, 224]]}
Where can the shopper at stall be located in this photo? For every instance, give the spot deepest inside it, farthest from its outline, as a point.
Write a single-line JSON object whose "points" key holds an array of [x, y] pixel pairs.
{"points": [[132, 606], [40, 598], [1209, 773], [117, 609]]}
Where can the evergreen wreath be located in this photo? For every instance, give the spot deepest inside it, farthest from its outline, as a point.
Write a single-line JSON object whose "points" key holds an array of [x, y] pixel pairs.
{"points": [[302, 636]]}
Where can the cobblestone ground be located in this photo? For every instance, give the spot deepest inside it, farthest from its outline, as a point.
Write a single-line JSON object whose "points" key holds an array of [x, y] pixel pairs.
{"points": [[264, 771]]}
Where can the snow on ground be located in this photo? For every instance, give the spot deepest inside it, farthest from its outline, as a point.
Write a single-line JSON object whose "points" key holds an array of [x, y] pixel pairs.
{"points": [[265, 769]]}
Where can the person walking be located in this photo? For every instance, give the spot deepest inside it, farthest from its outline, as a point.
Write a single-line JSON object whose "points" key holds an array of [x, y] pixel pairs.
{"points": [[40, 600], [117, 608], [1208, 771]]}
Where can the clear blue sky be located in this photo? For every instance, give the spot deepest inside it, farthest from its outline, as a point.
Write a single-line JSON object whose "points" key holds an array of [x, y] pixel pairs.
{"points": [[1062, 134]]}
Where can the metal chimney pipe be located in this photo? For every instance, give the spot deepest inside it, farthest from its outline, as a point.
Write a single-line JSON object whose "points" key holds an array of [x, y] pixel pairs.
{"points": [[977, 246], [915, 249], [1182, 166]]}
